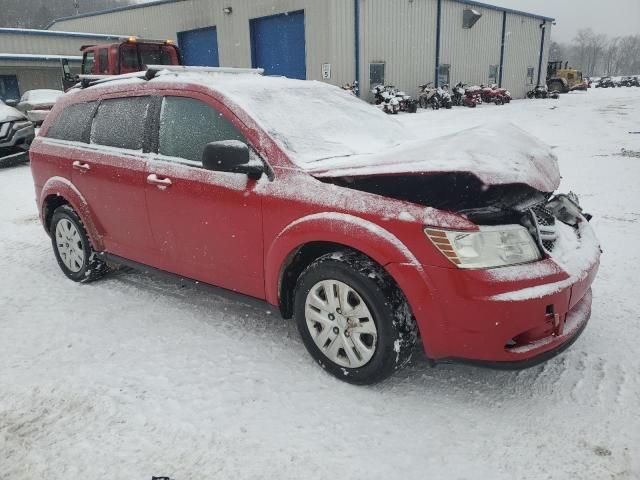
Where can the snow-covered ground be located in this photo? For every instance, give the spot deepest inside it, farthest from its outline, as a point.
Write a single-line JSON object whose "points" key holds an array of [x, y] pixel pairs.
{"points": [[136, 376]]}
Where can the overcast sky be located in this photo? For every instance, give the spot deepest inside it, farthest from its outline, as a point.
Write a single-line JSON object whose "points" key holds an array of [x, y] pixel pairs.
{"points": [[613, 17]]}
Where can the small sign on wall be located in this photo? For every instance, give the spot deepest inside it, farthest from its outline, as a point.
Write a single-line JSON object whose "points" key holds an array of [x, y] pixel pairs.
{"points": [[326, 71]]}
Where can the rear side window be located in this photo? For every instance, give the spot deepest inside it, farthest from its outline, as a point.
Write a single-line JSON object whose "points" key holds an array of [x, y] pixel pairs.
{"points": [[188, 125], [73, 123], [120, 122]]}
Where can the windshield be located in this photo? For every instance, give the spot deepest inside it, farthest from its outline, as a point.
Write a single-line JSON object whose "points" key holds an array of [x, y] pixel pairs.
{"points": [[313, 121]]}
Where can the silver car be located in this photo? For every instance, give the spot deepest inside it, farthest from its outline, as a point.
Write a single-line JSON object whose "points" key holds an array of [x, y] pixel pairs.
{"points": [[36, 104], [16, 135]]}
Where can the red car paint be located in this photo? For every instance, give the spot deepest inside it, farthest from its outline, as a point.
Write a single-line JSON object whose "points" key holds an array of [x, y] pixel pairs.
{"points": [[239, 234]]}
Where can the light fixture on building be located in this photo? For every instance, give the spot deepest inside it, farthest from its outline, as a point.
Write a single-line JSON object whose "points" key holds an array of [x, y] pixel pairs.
{"points": [[469, 17], [228, 10]]}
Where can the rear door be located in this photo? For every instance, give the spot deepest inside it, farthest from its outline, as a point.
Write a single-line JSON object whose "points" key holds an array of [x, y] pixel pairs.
{"points": [[207, 225], [110, 175]]}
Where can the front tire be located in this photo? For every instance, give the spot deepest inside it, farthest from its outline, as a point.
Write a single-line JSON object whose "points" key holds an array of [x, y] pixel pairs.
{"points": [[353, 319], [73, 250]]}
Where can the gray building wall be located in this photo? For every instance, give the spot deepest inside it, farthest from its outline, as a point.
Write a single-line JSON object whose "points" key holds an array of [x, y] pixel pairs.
{"points": [[402, 36], [34, 75], [399, 33], [522, 50], [328, 28], [40, 72], [470, 51]]}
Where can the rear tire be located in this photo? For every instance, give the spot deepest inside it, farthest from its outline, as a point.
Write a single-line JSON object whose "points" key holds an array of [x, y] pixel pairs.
{"points": [[378, 337], [73, 250]]}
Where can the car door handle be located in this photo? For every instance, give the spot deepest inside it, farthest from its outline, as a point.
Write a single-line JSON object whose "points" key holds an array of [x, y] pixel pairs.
{"points": [[83, 167], [161, 183]]}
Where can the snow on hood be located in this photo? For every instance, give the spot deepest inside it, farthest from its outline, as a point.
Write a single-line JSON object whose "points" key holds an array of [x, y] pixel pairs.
{"points": [[8, 113], [499, 153]]}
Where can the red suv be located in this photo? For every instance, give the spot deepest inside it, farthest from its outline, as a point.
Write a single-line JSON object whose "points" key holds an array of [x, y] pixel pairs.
{"points": [[302, 195]]}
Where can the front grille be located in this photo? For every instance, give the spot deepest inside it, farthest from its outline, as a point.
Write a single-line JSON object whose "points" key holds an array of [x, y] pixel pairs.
{"points": [[545, 224]]}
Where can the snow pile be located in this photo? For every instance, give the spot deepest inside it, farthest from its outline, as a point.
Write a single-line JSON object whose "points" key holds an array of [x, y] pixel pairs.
{"points": [[576, 251]]}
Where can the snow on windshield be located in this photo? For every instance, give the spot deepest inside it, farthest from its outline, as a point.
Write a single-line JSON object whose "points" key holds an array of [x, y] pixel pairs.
{"points": [[312, 120]]}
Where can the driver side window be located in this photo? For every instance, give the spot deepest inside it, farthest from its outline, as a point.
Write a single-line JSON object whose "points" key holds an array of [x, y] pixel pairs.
{"points": [[187, 125]]}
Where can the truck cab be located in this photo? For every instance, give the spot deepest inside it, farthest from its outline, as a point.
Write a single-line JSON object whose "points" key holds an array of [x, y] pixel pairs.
{"points": [[130, 55]]}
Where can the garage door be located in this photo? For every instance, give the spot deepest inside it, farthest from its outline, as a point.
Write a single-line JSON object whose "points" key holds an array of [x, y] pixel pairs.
{"points": [[277, 44], [199, 47]]}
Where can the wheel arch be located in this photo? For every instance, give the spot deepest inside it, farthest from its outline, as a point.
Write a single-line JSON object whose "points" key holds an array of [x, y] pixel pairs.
{"points": [[309, 238], [60, 191]]}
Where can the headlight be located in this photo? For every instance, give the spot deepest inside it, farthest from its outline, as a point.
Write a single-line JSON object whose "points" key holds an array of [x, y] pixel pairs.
{"points": [[488, 247]]}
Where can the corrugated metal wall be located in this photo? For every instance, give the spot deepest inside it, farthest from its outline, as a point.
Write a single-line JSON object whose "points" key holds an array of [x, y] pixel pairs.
{"points": [[30, 76], [470, 51], [522, 51], [400, 33], [328, 28], [44, 44]]}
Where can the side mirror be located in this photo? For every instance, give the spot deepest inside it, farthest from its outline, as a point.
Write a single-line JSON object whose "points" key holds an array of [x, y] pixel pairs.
{"points": [[11, 102], [230, 156]]}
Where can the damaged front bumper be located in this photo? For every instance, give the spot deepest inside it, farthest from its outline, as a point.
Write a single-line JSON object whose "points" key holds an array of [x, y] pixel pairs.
{"points": [[520, 315]]}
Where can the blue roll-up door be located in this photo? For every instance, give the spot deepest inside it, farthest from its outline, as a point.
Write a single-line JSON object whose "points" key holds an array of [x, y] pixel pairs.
{"points": [[277, 44], [199, 47], [9, 87]]}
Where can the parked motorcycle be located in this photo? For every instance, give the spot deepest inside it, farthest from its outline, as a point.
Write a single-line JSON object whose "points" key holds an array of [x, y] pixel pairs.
{"points": [[606, 82], [353, 88], [541, 91], [429, 96], [407, 104], [460, 98], [385, 97], [503, 92], [473, 95], [629, 82], [491, 95], [445, 97]]}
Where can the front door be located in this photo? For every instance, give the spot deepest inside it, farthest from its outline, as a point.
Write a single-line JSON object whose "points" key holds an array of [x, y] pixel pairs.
{"points": [[207, 225]]}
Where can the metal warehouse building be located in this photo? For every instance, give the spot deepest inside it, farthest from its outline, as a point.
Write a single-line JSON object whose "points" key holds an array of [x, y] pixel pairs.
{"points": [[400, 42], [30, 59]]}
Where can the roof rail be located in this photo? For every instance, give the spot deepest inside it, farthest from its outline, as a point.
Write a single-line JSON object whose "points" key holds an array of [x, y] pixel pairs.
{"points": [[152, 71], [186, 69]]}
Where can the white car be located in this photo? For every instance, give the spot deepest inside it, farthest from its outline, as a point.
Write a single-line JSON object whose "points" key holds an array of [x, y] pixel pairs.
{"points": [[36, 104]]}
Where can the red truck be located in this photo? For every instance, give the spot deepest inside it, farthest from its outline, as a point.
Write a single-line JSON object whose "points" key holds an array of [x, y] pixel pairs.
{"points": [[127, 56]]}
